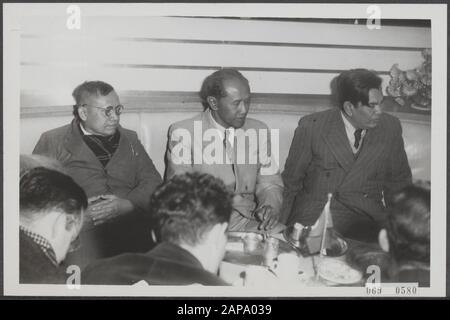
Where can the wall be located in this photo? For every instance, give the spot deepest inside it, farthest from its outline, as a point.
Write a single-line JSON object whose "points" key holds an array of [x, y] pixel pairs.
{"points": [[174, 54]]}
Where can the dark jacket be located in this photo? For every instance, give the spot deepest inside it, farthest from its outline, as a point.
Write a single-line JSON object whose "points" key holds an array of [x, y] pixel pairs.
{"points": [[321, 161], [166, 264], [35, 266], [130, 174], [413, 271]]}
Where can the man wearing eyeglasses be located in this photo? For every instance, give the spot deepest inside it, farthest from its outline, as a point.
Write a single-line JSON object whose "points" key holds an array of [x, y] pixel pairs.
{"points": [[113, 168]]}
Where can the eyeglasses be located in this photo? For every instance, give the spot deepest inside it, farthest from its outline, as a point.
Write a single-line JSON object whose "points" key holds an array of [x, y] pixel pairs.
{"points": [[107, 111]]}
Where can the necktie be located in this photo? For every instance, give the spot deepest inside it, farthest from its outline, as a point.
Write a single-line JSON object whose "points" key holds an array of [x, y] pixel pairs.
{"points": [[358, 133], [230, 153], [228, 147]]}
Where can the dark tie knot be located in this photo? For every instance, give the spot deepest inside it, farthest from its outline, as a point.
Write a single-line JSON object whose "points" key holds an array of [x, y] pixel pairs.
{"points": [[358, 133]]}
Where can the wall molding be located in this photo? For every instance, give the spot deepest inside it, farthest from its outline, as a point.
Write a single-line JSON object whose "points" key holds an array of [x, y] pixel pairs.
{"points": [[244, 43], [163, 101]]}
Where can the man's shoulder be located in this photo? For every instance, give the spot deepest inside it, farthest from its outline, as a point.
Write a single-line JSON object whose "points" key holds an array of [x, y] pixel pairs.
{"points": [[121, 269], [251, 123], [389, 119], [129, 133], [59, 131], [132, 268], [318, 118], [187, 123]]}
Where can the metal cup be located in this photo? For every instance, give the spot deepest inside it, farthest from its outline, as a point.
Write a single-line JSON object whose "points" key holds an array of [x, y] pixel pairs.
{"points": [[271, 246], [251, 242]]}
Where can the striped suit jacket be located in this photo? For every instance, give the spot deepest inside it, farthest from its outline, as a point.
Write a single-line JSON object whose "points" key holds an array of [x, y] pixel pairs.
{"points": [[321, 161]]}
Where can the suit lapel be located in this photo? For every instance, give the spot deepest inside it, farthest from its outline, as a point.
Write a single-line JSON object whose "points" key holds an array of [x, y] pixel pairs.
{"points": [[337, 140], [74, 144], [373, 145], [121, 148]]}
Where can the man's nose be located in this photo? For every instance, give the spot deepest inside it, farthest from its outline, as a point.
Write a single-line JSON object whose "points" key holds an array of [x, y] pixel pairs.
{"points": [[114, 116], [243, 107]]}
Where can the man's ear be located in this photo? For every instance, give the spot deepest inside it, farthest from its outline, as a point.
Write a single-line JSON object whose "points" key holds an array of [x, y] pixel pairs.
{"points": [[383, 240], [348, 107], [212, 102], [82, 113]]}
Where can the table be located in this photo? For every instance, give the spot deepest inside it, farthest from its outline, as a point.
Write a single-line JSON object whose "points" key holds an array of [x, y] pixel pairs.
{"points": [[234, 269]]}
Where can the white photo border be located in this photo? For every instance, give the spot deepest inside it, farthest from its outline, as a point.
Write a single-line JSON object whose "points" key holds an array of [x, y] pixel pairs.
{"points": [[12, 15]]}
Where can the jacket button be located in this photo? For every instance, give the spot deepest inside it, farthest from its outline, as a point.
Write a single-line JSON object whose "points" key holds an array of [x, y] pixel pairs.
{"points": [[365, 195]]}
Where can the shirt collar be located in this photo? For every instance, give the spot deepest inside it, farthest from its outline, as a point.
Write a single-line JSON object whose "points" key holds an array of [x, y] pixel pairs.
{"points": [[42, 242], [348, 125], [86, 133], [220, 127]]}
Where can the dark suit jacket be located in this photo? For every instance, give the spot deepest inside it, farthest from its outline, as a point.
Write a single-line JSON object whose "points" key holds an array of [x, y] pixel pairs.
{"points": [[35, 266], [321, 161], [130, 174], [254, 186], [166, 264]]}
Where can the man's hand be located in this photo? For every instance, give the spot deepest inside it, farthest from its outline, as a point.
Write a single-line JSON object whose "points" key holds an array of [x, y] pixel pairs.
{"points": [[268, 217], [106, 207]]}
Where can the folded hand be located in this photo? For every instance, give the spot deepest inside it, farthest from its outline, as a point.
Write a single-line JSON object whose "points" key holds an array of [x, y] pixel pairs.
{"points": [[106, 207]]}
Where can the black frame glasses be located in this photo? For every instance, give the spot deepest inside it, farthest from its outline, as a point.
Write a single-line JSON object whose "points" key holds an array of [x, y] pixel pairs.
{"points": [[107, 111]]}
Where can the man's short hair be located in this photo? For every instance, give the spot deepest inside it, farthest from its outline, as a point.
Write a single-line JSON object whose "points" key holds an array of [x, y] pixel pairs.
{"points": [[30, 161], [43, 190], [188, 205], [87, 89], [408, 225], [354, 86], [213, 84]]}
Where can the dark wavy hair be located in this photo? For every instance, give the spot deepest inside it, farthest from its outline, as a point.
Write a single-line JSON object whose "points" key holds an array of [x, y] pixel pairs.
{"points": [[43, 190], [354, 86], [188, 205], [408, 225], [89, 88], [213, 84]]}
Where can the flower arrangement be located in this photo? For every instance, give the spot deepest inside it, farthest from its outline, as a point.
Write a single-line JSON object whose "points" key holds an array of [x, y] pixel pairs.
{"points": [[412, 87]]}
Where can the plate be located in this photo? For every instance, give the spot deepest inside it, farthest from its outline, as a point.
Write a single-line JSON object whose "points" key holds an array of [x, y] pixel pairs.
{"points": [[338, 272]]}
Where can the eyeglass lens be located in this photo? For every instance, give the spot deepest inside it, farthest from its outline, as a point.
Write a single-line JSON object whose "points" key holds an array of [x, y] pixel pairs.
{"points": [[117, 109]]}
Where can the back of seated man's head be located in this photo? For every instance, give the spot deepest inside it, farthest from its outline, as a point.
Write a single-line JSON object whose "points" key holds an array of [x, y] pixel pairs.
{"points": [[30, 161], [51, 205], [193, 210], [408, 226]]}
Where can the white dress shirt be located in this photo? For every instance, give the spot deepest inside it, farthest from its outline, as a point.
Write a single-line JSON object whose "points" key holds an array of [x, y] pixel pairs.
{"points": [[221, 130], [350, 130]]}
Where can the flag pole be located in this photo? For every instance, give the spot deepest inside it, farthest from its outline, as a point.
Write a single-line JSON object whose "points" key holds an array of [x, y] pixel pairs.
{"points": [[326, 212]]}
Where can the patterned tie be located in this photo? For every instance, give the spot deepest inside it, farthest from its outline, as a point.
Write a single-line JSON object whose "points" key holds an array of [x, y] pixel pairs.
{"points": [[228, 147], [358, 133], [230, 153]]}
